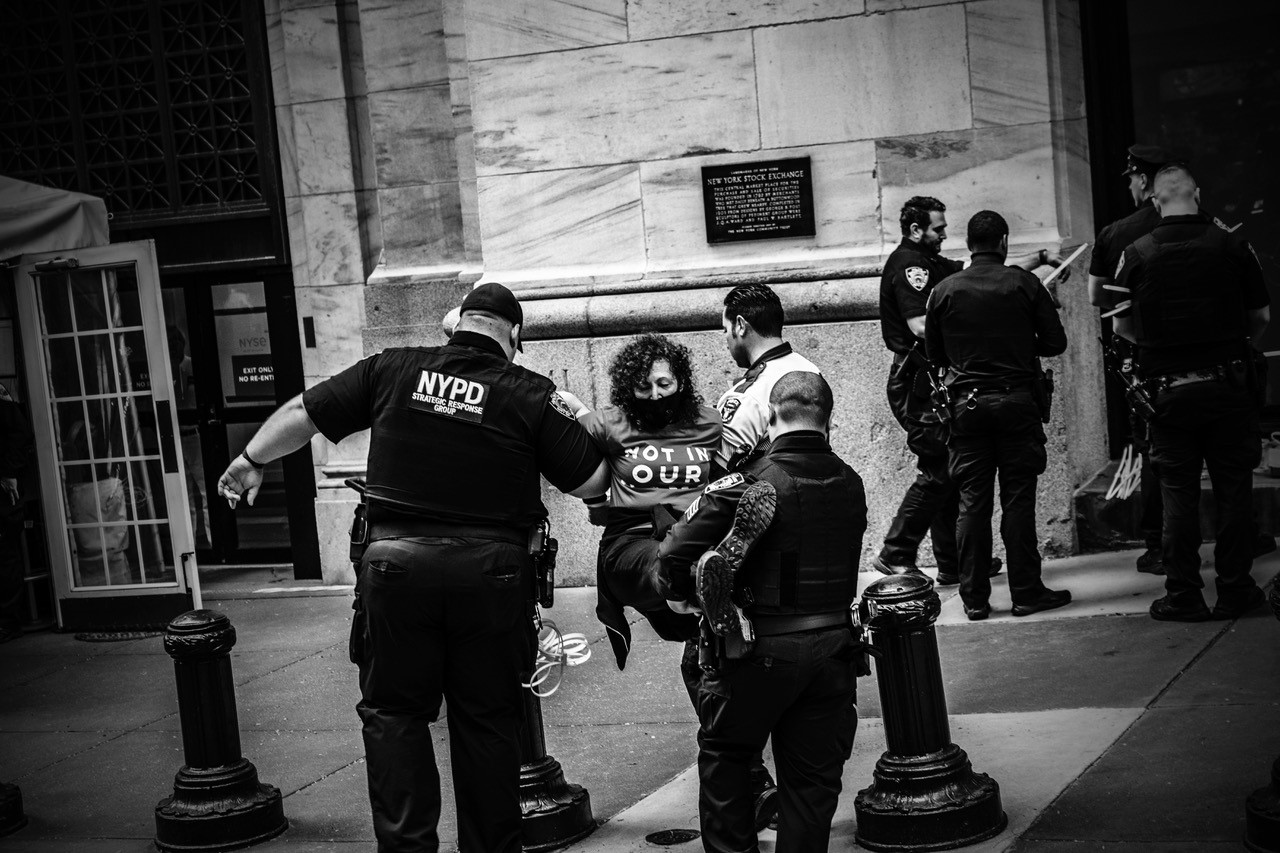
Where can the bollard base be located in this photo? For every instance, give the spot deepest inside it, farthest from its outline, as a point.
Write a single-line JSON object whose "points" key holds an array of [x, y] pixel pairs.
{"points": [[220, 808], [1262, 816], [554, 813], [12, 817], [928, 802]]}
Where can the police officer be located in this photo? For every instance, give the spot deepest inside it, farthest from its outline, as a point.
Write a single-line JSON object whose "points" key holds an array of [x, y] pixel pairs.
{"points": [[752, 321], [1142, 164], [1198, 301], [17, 445], [931, 503], [795, 574], [459, 438], [987, 325]]}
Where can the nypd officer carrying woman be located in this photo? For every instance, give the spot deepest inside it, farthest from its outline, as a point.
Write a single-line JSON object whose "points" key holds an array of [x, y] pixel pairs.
{"points": [[459, 438]]}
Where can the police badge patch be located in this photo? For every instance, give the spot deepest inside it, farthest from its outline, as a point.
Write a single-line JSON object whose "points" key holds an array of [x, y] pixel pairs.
{"points": [[917, 277], [724, 483], [558, 403], [728, 407]]}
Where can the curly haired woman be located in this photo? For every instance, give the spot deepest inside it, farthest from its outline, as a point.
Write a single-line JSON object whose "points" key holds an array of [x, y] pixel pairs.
{"points": [[659, 439]]}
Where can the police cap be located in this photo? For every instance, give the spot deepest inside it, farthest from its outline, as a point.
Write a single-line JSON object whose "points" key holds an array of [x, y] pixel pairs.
{"points": [[1146, 159], [494, 298]]}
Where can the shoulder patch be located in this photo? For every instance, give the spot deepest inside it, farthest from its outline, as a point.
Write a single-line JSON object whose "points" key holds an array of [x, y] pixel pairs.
{"points": [[1119, 266], [728, 407], [558, 403], [917, 277], [724, 483]]}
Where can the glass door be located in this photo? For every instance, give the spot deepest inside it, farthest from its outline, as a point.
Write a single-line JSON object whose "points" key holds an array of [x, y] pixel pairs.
{"points": [[102, 399]]}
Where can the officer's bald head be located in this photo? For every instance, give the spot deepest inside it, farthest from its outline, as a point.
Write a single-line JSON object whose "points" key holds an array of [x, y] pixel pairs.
{"points": [[800, 401], [1175, 191]]}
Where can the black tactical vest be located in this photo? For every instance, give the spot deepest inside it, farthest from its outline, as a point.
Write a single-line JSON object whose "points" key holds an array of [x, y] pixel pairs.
{"points": [[1182, 300], [808, 561]]}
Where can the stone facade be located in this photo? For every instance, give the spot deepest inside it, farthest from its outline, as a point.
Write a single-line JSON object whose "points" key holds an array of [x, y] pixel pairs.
{"points": [[557, 147]]}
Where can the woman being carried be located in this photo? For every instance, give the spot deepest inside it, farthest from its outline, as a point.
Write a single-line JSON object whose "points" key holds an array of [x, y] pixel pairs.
{"points": [[659, 439]]}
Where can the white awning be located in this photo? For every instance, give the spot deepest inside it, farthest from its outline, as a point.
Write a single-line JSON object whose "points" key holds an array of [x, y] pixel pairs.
{"points": [[42, 219]]}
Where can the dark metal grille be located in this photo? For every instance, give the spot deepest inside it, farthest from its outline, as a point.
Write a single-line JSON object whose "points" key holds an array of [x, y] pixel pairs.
{"points": [[149, 104]]}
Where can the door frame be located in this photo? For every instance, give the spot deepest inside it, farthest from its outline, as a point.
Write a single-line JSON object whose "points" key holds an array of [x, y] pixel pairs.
{"points": [[132, 605]]}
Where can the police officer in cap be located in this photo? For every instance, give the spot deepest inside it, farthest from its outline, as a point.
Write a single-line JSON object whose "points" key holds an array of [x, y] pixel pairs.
{"points": [[1198, 303], [459, 438], [1140, 170], [786, 532]]}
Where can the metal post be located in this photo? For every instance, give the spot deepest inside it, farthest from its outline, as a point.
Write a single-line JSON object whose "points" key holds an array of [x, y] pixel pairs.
{"points": [[554, 812], [218, 802], [1262, 808], [925, 794], [12, 817]]}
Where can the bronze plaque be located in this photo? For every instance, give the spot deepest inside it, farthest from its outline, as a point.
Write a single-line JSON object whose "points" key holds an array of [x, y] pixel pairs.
{"points": [[758, 201]]}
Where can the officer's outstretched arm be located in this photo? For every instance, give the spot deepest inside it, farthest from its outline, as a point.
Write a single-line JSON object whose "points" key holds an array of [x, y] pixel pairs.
{"points": [[596, 484], [1259, 319], [1097, 296], [288, 428]]}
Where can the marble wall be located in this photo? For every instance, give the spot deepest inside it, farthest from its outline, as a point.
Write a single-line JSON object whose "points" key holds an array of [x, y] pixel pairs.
{"points": [[557, 146]]}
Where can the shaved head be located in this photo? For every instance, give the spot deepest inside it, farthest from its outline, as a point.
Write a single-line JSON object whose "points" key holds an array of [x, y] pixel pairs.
{"points": [[802, 400], [1175, 191]]}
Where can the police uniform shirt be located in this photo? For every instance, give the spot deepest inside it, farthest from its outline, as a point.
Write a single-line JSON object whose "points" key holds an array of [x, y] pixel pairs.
{"points": [[795, 464], [744, 408], [990, 323], [1240, 269], [909, 276], [670, 466], [1115, 238], [459, 434]]}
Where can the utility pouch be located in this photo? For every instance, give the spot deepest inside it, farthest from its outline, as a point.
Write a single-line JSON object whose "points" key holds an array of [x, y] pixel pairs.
{"points": [[940, 399], [1140, 401], [543, 548], [708, 648], [1042, 393], [359, 534]]}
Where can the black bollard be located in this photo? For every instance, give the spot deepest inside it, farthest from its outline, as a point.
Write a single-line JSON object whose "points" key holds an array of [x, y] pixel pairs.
{"points": [[925, 794], [218, 802], [1262, 807], [12, 817], [554, 812]]}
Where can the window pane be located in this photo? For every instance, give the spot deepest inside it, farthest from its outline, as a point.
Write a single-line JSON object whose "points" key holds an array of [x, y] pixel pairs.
{"points": [[64, 370], [88, 300], [97, 364], [54, 305], [125, 283]]}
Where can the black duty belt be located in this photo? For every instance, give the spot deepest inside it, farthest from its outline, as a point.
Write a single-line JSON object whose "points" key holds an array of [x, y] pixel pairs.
{"points": [[1173, 380], [770, 625], [413, 528]]}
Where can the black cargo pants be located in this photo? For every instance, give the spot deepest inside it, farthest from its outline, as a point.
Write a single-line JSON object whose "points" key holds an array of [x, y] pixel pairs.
{"points": [[994, 435], [447, 618]]}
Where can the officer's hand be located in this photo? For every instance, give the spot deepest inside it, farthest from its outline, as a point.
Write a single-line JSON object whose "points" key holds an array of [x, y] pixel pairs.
{"points": [[239, 480], [574, 403], [683, 607], [597, 509]]}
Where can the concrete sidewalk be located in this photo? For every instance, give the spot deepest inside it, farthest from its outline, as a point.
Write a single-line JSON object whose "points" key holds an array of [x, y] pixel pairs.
{"points": [[1105, 729]]}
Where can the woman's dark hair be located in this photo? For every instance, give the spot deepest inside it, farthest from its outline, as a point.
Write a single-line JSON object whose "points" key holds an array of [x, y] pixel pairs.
{"points": [[631, 367]]}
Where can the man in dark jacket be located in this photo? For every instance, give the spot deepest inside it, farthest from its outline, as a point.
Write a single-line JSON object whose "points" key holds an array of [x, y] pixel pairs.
{"points": [[789, 525], [987, 326], [1198, 301], [16, 448]]}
